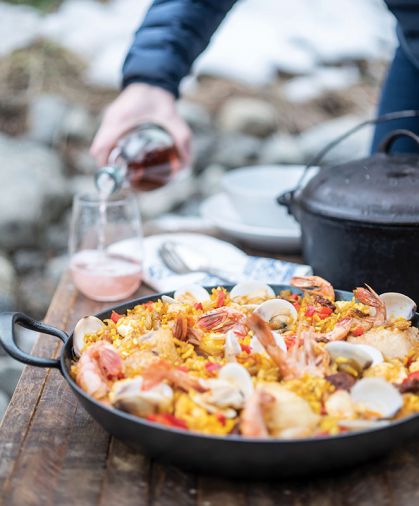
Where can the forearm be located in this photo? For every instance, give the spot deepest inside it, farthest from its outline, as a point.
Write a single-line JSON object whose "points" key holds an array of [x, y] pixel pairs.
{"points": [[172, 35]]}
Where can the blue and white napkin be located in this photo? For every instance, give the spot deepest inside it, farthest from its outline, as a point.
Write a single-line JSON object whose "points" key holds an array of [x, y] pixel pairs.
{"points": [[221, 255]]}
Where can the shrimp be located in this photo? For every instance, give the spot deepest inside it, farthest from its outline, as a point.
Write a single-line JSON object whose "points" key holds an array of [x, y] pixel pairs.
{"points": [[369, 297], [223, 319], [164, 370], [98, 364], [315, 285], [252, 422], [304, 358]]}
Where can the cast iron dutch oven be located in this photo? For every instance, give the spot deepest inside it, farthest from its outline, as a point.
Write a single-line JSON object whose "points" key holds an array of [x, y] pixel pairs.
{"points": [[360, 220], [231, 456]]}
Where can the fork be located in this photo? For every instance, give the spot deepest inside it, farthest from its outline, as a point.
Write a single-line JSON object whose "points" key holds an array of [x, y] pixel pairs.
{"points": [[183, 259]]}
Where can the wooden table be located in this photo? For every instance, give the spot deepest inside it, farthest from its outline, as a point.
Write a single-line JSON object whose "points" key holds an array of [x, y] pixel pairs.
{"points": [[53, 453]]}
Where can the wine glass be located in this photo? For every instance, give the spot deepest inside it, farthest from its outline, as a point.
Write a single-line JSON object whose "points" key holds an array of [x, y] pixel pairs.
{"points": [[106, 246]]}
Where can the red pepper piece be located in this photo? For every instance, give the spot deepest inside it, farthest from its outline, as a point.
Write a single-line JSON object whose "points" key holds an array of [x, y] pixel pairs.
{"points": [[297, 305], [198, 306], [169, 420], [116, 316], [212, 366], [324, 312], [310, 311], [358, 331], [294, 296], [221, 418], [246, 348], [221, 298]]}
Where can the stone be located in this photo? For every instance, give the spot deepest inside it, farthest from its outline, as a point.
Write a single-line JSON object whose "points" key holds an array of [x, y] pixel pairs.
{"points": [[316, 138], [46, 114], [35, 292], [197, 117], [236, 150], [28, 260], [202, 147], [210, 180], [7, 285], [10, 371], [79, 124], [34, 192], [279, 149], [56, 267], [250, 116]]}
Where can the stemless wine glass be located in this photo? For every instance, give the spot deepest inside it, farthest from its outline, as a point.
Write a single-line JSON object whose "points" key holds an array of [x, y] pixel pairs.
{"points": [[106, 246]]}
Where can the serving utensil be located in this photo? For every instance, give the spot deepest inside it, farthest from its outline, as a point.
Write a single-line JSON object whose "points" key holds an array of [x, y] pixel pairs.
{"points": [[183, 259]]}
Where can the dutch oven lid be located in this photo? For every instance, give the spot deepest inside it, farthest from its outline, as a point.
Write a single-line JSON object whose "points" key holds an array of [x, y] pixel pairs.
{"points": [[382, 189]]}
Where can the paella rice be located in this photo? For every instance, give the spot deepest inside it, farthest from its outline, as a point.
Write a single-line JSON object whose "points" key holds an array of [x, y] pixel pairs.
{"points": [[255, 363]]}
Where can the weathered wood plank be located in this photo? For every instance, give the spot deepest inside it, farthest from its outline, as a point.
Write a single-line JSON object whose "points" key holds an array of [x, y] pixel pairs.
{"points": [[215, 491], [18, 417], [126, 480], [170, 485]]}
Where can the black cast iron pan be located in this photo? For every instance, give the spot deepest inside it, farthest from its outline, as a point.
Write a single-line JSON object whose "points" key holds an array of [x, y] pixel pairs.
{"points": [[231, 456]]}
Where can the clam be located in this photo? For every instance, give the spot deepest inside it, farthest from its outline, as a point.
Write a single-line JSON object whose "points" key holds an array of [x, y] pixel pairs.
{"points": [[398, 305], [279, 313], [194, 293], [362, 356], [128, 396], [85, 326], [257, 347], [251, 290], [238, 376], [168, 300], [377, 395]]}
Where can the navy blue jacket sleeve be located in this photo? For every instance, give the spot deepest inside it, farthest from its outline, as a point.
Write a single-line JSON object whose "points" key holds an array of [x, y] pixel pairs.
{"points": [[172, 35]]}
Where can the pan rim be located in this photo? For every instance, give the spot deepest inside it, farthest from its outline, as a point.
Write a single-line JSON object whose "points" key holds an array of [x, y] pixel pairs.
{"points": [[233, 439]]}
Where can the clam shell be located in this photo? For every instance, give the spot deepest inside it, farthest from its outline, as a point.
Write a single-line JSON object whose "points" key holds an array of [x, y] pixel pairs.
{"points": [[232, 346], [85, 326], [398, 305], [196, 292], [377, 395], [237, 375], [363, 355], [251, 290], [270, 309], [360, 424]]}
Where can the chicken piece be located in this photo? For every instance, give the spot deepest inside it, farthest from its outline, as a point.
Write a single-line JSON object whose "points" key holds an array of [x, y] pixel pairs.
{"points": [[161, 342], [288, 411], [393, 343]]}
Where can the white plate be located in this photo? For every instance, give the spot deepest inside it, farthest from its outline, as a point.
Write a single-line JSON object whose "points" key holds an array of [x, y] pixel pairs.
{"points": [[219, 211]]}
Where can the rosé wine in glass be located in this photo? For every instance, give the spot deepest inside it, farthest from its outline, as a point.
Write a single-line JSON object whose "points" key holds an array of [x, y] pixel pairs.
{"points": [[105, 277], [102, 267]]}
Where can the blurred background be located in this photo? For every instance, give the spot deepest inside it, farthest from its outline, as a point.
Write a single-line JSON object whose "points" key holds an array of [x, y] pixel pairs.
{"points": [[279, 80]]}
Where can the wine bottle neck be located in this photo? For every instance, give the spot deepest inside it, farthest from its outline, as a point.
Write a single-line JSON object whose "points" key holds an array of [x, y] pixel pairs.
{"points": [[109, 179]]}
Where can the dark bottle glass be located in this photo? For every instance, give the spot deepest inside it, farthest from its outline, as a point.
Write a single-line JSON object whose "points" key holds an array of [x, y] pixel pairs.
{"points": [[146, 159]]}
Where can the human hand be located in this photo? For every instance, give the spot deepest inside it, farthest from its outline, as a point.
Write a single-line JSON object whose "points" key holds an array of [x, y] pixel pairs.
{"points": [[140, 103]]}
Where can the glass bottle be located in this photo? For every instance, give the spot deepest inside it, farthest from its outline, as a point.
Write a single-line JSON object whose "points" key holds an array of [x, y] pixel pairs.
{"points": [[146, 158]]}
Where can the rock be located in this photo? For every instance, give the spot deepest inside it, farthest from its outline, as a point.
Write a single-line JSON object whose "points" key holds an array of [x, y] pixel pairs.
{"points": [[45, 119], [28, 260], [78, 124], [250, 116], [56, 267], [236, 150], [195, 115], [4, 402], [10, 371], [314, 139], [202, 147], [281, 148], [210, 180], [42, 287], [56, 237], [7, 285], [34, 191]]}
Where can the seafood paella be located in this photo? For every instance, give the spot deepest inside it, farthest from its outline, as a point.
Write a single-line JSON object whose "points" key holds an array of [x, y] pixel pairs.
{"points": [[256, 363]]}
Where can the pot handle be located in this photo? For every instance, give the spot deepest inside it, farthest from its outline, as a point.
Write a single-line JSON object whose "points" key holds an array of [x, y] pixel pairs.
{"points": [[8, 338], [388, 142]]}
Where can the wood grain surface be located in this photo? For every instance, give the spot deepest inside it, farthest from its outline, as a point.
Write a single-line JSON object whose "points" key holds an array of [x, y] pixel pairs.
{"points": [[53, 453]]}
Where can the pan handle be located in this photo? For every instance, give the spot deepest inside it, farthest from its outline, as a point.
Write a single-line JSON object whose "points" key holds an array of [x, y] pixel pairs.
{"points": [[388, 142], [8, 321]]}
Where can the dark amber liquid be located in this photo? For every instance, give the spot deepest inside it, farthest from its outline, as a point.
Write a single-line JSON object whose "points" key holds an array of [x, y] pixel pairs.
{"points": [[154, 168]]}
